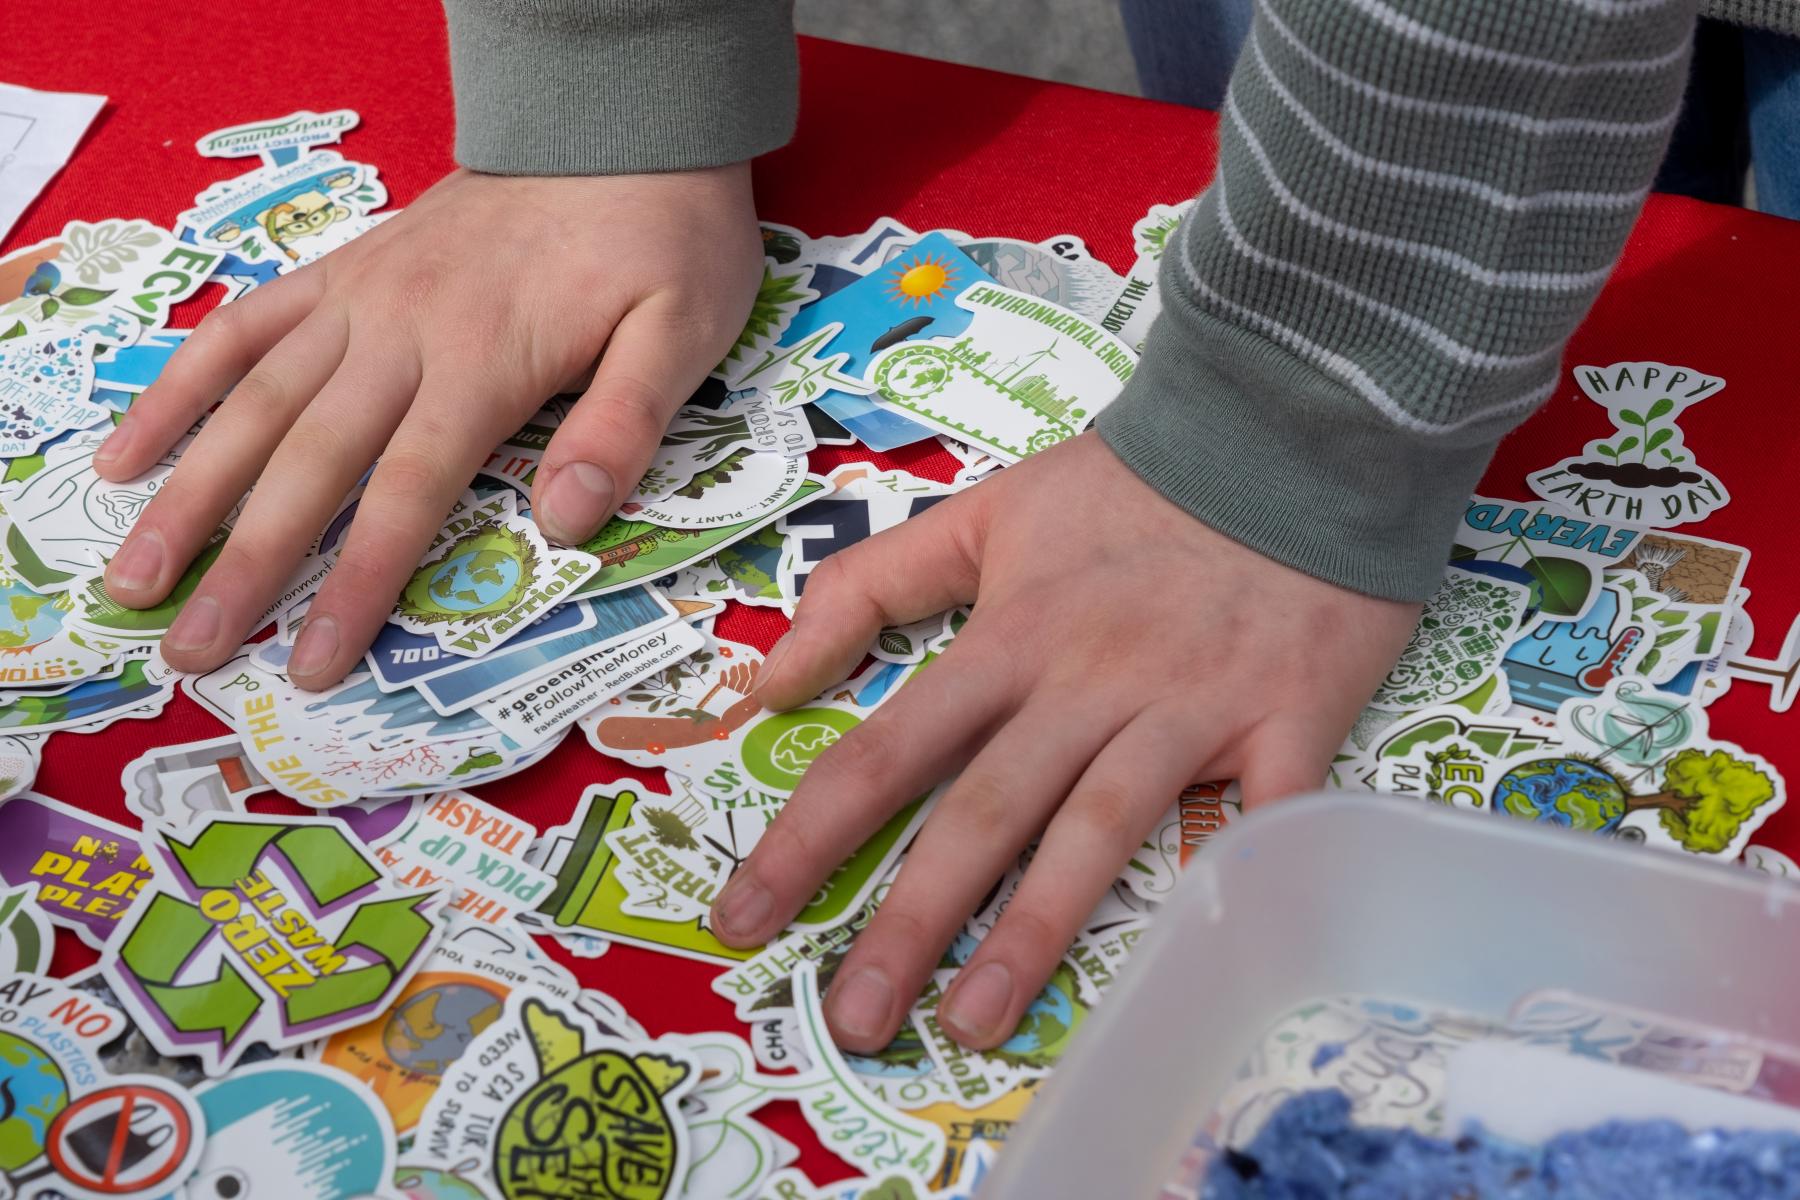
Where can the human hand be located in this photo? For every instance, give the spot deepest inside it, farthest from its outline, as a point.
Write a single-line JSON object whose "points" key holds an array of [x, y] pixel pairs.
{"points": [[1119, 650], [426, 342]]}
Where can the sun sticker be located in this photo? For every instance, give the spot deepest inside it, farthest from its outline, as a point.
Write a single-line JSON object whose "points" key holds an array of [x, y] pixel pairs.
{"points": [[920, 279]]}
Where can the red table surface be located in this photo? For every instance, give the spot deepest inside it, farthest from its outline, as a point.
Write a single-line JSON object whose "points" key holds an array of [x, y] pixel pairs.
{"points": [[935, 145]]}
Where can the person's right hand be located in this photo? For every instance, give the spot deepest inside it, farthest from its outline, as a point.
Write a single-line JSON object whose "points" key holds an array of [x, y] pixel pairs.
{"points": [[425, 343]]}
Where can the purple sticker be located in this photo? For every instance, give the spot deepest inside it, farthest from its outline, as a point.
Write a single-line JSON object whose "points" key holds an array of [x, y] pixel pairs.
{"points": [[86, 869]]}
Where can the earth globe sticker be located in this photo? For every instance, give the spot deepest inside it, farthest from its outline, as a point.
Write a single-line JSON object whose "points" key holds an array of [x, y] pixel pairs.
{"points": [[431, 1030], [26, 618], [36, 1091], [778, 749], [1562, 791], [482, 573], [474, 580]]}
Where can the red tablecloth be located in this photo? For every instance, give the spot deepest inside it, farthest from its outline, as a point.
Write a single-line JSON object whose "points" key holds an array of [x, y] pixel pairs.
{"points": [[935, 145]]}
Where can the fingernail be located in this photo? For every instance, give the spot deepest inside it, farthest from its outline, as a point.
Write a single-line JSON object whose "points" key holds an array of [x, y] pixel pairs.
{"points": [[316, 648], [197, 627], [979, 1002], [579, 498], [743, 908], [138, 563], [776, 653], [115, 445], [860, 1003]]}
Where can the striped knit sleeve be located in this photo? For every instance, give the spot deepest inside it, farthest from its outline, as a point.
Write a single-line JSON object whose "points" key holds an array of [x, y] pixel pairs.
{"points": [[1416, 202], [613, 87]]}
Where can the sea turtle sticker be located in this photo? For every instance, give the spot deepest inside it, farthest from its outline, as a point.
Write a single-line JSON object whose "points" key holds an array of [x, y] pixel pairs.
{"points": [[1643, 473], [554, 1108]]}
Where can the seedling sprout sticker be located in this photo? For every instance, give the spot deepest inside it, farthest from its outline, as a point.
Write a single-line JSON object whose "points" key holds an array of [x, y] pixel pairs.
{"points": [[1643, 473], [263, 929]]}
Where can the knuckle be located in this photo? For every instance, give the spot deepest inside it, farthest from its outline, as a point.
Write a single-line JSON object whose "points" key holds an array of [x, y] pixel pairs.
{"points": [[901, 925], [315, 442], [1107, 813], [868, 754], [638, 411], [418, 288], [248, 555], [834, 583], [222, 327], [982, 805], [1026, 926], [362, 571], [408, 471], [258, 393], [787, 844]]}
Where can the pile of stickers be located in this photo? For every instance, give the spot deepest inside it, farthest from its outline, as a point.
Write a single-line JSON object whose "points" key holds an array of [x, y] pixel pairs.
{"points": [[358, 1001]]}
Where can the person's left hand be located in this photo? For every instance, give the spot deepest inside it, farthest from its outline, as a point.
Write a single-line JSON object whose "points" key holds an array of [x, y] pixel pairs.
{"points": [[1119, 650]]}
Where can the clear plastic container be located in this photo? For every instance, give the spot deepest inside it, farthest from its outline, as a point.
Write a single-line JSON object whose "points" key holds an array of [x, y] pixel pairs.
{"points": [[1360, 894]]}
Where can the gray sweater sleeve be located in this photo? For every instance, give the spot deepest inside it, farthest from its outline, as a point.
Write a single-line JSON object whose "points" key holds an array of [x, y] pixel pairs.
{"points": [[613, 87], [1416, 202]]}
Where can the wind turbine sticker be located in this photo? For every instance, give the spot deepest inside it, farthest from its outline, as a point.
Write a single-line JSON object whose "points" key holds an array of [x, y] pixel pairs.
{"points": [[1643, 473]]}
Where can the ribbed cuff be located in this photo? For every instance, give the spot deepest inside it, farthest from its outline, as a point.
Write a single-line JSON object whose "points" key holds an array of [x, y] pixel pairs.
{"points": [[1779, 16], [1273, 453], [615, 87]]}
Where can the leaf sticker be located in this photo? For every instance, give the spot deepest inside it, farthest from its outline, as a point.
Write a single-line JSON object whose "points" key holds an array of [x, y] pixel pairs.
{"points": [[1661, 408]]}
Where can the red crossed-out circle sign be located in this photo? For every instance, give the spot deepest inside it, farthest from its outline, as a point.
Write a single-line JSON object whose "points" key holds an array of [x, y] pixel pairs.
{"points": [[119, 1140]]}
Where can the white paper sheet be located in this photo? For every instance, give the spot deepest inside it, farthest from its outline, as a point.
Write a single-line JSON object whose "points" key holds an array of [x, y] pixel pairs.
{"points": [[38, 132]]}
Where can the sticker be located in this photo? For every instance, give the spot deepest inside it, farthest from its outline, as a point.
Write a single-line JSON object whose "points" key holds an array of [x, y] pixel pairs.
{"points": [[782, 293], [487, 576], [402, 1054], [674, 857], [1639, 764], [1139, 300], [830, 343], [115, 279], [978, 1077], [85, 870], [777, 430], [461, 842], [1024, 376], [1644, 473], [1781, 673], [273, 211], [70, 1122], [1556, 660], [616, 620], [291, 1128], [283, 139], [1057, 269], [173, 785], [400, 658], [1560, 557], [26, 938], [350, 740], [547, 705], [696, 440], [73, 521], [741, 487], [1466, 625], [263, 929], [549, 1107], [633, 552], [849, 1122], [44, 384]]}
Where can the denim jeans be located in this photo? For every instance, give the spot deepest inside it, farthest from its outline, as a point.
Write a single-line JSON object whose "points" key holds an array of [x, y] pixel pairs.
{"points": [[1742, 112]]}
